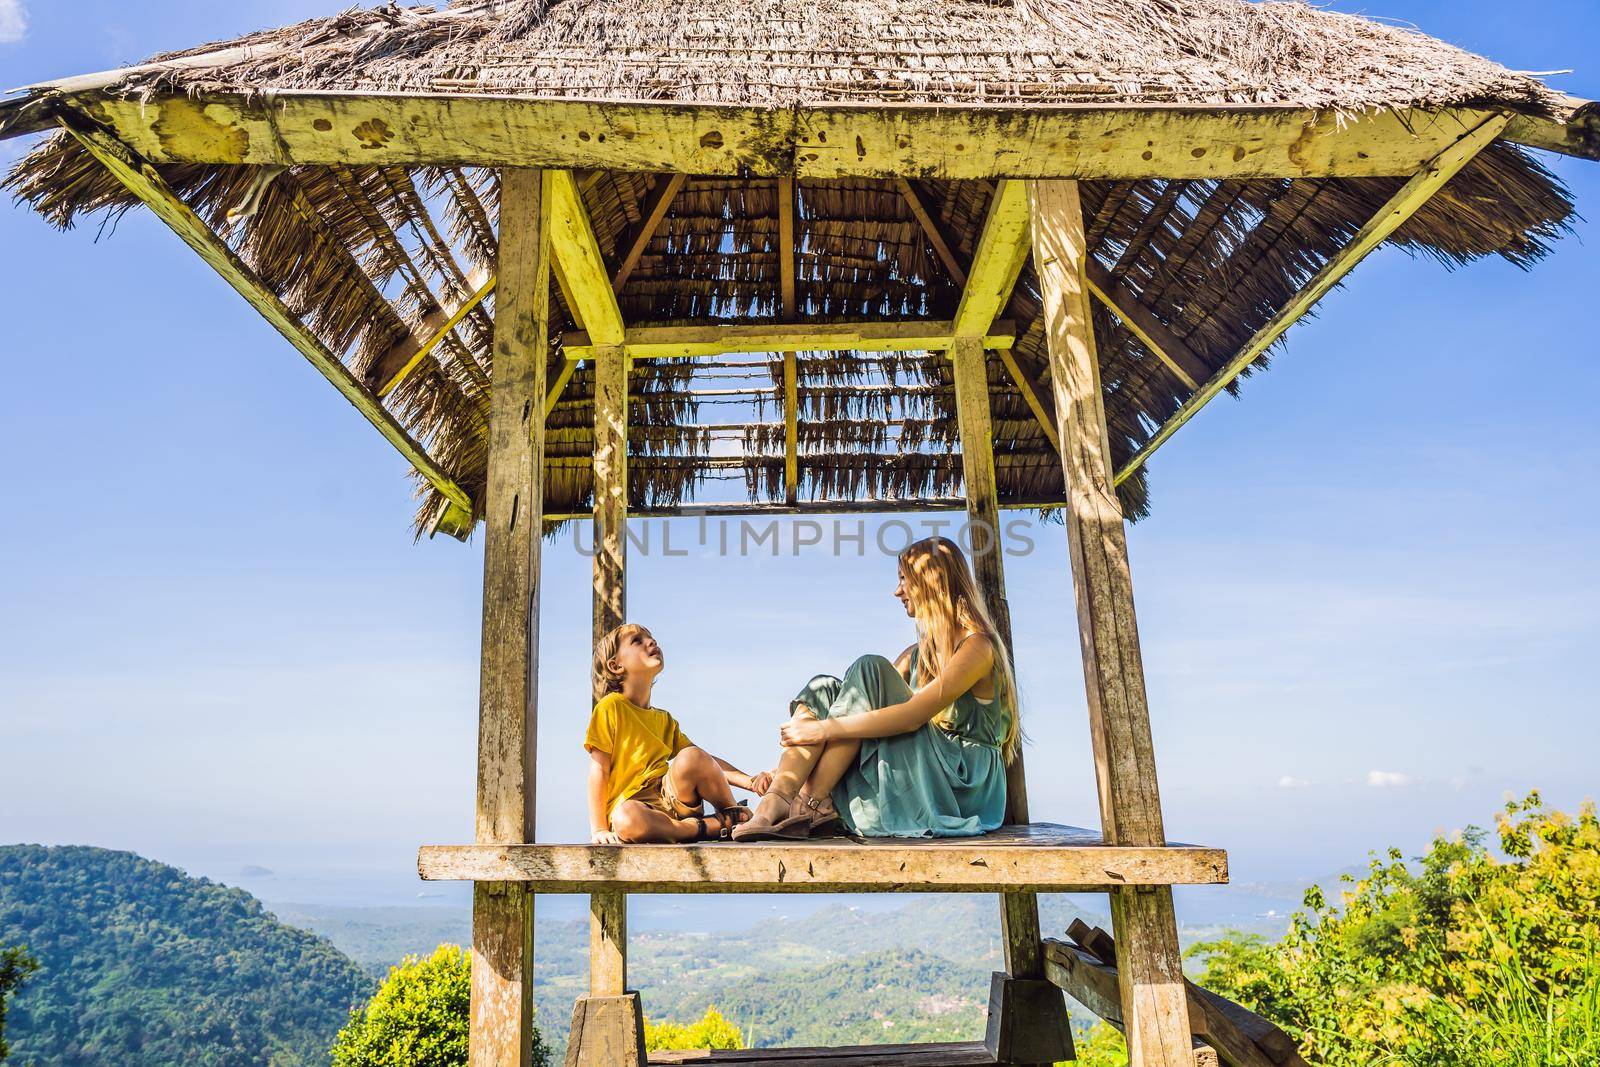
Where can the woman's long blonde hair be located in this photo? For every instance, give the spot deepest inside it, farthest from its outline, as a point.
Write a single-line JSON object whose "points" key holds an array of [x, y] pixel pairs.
{"points": [[946, 603]]}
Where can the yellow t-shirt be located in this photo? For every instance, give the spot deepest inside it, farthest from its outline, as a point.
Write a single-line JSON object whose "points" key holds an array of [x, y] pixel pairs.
{"points": [[639, 741]]}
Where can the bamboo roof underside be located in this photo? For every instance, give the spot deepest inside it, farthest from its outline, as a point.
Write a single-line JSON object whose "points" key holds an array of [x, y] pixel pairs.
{"points": [[372, 258]]}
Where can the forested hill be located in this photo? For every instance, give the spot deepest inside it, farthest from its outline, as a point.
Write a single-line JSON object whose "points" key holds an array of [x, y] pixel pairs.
{"points": [[142, 964]]}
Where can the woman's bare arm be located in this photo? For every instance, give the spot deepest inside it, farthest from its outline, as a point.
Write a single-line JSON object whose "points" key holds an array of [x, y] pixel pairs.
{"points": [[972, 662], [902, 663]]}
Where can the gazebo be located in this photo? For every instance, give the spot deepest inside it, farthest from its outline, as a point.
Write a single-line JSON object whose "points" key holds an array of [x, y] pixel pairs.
{"points": [[581, 259]]}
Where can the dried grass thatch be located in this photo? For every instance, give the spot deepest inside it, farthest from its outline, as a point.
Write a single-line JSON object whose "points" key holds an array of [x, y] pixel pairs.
{"points": [[365, 254]]}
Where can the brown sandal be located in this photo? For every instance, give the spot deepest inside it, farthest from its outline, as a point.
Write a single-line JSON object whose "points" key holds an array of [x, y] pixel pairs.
{"points": [[823, 823], [792, 828], [726, 820]]}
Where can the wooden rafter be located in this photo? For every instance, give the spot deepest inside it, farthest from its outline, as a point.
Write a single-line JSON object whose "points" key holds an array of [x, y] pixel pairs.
{"points": [[1165, 345], [143, 181], [1030, 397], [1088, 142], [655, 211], [679, 342], [442, 329], [1412, 196], [580, 267], [1002, 250], [930, 230]]}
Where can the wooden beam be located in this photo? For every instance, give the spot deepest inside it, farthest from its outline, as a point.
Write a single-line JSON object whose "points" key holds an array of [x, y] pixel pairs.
{"points": [[786, 262], [1043, 857], [610, 367], [684, 342], [1001, 252], [442, 329], [1573, 131], [143, 181], [791, 427], [502, 957], [1119, 714], [655, 211], [1118, 142], [582, 271], [865, 506], [930, 229], [1165, 345], [1400, 207]]}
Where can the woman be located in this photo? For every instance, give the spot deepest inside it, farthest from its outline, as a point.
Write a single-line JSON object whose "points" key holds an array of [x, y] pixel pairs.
{"points": [[915, 748]]}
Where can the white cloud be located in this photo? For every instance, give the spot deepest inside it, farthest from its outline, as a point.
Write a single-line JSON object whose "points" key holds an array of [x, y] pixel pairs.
{"points": [[1389, 779], [13, 21], [1289, 781]]}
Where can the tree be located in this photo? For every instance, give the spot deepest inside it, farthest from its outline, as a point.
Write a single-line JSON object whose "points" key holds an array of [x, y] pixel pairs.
{"points": [[16, 967], [418, 1017], [712, 1031], [1462, 958]]}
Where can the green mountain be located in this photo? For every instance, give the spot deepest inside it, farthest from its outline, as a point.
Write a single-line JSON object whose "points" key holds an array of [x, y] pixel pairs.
{"points": [[144, 965]]}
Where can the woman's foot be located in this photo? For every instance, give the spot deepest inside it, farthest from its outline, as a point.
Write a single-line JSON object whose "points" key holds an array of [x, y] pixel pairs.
{"points": [[777, 816]]}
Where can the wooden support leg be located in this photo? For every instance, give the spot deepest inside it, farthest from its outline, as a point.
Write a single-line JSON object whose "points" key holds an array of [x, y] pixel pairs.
{"points": [[608, 1024], [1151, 977], [502, 915], [1019, 912], [608, 943], [610, 489]]}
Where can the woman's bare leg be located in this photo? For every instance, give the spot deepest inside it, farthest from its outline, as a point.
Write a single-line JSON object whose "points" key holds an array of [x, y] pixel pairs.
{"points": [[794, 767], [831, 766]]}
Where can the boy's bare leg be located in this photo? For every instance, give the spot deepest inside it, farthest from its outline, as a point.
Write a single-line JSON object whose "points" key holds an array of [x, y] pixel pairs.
{"points": [[637, 824], [697, 777]]}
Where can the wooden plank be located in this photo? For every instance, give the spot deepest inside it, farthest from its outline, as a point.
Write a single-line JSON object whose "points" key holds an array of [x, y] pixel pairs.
{"points": [[582, 272], [1244, 1038], [441, 330], [608, 943], [944, 1054], [1119, 715], [502, 978], [1001, 252], [1413, 195], [1040, 857], [1573, 131], [1121, 142], [1165, 345], [655, 210], [865, 506], [610, 490], [143, 181], [685, 342]]}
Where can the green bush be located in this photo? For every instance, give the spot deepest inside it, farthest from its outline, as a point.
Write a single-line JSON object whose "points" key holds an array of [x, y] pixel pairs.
{"points": [[712, 1031], [16, 967], [1461, 959], [418, 1017]]}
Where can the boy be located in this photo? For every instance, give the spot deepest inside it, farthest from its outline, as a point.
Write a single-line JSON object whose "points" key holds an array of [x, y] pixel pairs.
{"points": [[646, 779]]}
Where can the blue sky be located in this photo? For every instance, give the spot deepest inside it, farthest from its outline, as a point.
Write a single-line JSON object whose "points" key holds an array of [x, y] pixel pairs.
{"points": [[1368, 590]]}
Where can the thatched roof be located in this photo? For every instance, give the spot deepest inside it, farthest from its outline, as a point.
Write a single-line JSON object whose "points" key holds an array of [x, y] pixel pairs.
{"points": [[363, 253]]}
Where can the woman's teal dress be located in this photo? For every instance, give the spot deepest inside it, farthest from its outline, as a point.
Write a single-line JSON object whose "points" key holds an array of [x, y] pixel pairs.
{"points": [[936, 781]]}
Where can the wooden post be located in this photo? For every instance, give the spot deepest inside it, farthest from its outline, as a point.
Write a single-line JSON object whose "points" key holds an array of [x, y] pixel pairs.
{"points": [[502, 914], [1019, 912], [608, 943], [1151, 976], [610, 488]]}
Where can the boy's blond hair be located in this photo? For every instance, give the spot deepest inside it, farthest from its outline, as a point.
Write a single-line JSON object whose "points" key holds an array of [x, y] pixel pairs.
{"points": [[606, 680]]}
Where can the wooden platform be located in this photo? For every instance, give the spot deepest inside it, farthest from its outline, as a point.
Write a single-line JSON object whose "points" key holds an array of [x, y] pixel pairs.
{"points": [[1042, 857], [956, 1054]]}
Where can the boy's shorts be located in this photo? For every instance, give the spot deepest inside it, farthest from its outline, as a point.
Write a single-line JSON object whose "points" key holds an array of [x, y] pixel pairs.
{"points": [[658, 795]]}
